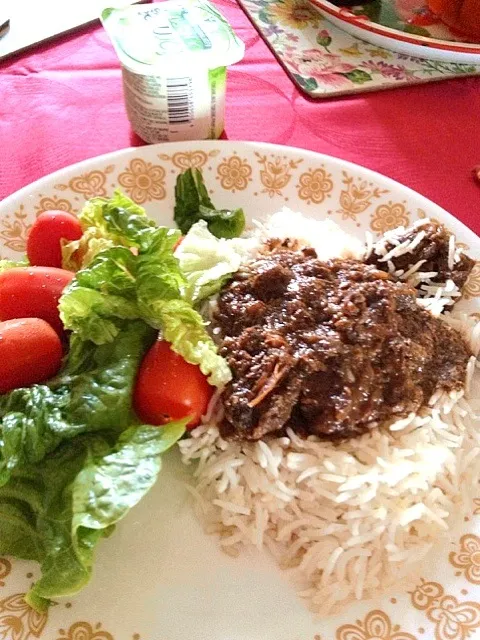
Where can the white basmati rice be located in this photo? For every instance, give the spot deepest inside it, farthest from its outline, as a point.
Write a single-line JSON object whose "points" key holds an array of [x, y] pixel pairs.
{"points": [[347, 520], [451, 252], [326, 237]]}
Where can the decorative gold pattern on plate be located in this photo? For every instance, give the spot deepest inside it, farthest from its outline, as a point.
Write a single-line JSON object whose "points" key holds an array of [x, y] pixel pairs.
{"points": [[314, 185], [190, 159], [276, 173], [143, 181], [234, 173], [357, 197], [472, 286], [54, 203], [376, 626], [5, 569], [425, 594], [468, 557], [18, 621], [14, 232], [388, 216], [85, 631], [453, 620], [476, 502], [89, 184]]}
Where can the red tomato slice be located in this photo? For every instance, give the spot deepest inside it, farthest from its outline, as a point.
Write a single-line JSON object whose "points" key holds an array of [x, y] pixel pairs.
{"points": [[169, 388], [33, 292], [44, 242], [30, 353]]}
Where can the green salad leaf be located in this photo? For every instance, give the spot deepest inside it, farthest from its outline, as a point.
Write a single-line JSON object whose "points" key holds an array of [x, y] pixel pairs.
{"points": [[140, 279], [98, 233], [134, 229], [79, 253], [192, 203], [116, 480], [183, 327], [92, 393], [93, 213], [208, 262], [102, 296], [74, 461], [11, 264], [57, 512]]}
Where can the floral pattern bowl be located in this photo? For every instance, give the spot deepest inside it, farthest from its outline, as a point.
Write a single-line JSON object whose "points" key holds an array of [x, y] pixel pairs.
{"points": [[160, 577], [406, 26]]}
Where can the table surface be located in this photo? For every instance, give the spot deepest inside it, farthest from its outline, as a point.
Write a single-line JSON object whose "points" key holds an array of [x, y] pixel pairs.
{"points": [[62, 103], [32, 21]]}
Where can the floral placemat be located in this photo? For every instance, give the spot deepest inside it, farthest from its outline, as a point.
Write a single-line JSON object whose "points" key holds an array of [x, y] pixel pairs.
{"points": [[324, 61]]}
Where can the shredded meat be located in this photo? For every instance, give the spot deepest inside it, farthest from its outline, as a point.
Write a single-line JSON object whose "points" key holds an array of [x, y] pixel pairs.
{"points": [[328, 348], [433, 250]]}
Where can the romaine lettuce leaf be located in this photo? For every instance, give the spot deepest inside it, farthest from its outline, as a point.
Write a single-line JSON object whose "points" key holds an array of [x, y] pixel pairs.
{"points": [[134, 229], [98, 233], [77, 254], [144, 281], [57, 512], [192, 203], [10, 264], [93, 213], [102, 296], [91, 394], [117, 479], [183, 327], [208, 262], [73, 459]]}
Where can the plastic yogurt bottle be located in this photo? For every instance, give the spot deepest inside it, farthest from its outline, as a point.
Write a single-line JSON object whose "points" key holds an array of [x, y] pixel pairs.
{"points": [[174, 58]]}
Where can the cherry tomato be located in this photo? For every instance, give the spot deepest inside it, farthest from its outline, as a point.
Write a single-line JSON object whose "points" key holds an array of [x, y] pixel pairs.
{"points": [[437, 5], [44, 242], [423, 18], [462, 16], [169, 388], [30, 352], [33, 292]]}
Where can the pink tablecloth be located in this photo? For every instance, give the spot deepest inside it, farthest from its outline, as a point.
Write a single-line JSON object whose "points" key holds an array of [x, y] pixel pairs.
{"points": [[63, 103]]}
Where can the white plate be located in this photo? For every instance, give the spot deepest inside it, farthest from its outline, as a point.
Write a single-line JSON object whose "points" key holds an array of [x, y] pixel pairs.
{"points": [[160, 577]]}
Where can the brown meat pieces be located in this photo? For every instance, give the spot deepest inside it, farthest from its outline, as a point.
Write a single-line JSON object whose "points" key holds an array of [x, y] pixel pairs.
{"points": [[433, 249], [331, 349]]}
